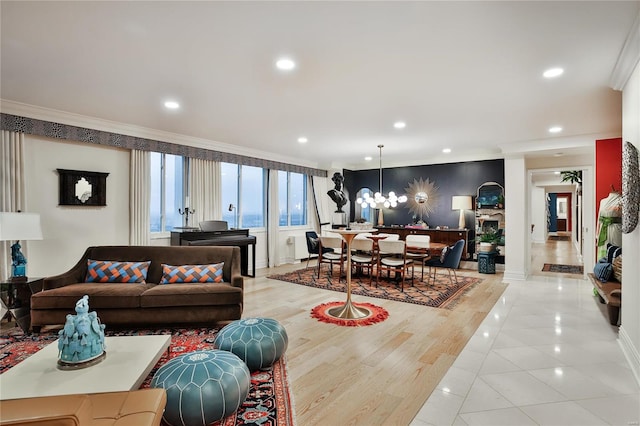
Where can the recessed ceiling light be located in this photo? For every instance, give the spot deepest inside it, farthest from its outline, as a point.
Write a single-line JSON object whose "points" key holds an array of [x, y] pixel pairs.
{"points": [[399, 124], [555, 129], [285, 64], [367, 158], [303, 139], [556, 173], [171, 105], [446, 150], [553, 72]]}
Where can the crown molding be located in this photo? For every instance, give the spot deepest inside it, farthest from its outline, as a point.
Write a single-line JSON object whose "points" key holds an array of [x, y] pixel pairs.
{"points": [[556, 143], [78, 120], [628, 58]]}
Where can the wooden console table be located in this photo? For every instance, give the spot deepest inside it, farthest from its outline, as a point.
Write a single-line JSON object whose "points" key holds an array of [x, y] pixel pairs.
{"points": [[446, 236]]}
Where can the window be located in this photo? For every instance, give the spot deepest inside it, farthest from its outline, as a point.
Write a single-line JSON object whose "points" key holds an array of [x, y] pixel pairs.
{"points": [[167, 186], [292, 199], [243, 195], [366, 212]]}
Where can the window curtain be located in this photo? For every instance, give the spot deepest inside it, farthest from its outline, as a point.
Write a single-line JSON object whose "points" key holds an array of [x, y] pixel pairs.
{"points": [[205, 190], [273, 220], [140, 198], [313, 217], [320, 188], [12, 189]]}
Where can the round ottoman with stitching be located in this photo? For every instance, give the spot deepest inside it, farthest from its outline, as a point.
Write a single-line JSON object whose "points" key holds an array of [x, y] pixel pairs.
{"points": [[257, 341], [202, 387]]}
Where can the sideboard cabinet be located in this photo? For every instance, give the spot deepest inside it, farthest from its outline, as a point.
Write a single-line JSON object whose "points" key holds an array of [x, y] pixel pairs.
{"points": [[447, 236]]}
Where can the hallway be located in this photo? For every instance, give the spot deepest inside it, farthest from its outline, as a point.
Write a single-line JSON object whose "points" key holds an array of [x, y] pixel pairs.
{"points": [[555, 251]]}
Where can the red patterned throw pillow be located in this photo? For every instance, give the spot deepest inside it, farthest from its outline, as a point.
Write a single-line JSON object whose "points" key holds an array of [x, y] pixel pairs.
{"points": [[192, 273], [112, 271]]}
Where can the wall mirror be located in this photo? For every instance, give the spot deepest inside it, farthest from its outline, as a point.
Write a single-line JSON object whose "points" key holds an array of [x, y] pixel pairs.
{"points": [[422, 196], [82, 188], [490, 195]]}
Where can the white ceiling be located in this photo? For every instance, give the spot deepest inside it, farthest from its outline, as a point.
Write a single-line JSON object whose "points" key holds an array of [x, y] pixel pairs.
{"points": [[463, 75]]}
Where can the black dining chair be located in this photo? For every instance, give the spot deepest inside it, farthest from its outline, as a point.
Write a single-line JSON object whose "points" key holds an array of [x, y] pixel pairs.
{"points": [[313, 245]]}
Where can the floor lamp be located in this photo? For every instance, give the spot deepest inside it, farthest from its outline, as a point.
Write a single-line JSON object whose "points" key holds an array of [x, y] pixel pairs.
{"points": [[17, 227], [462, 203]]}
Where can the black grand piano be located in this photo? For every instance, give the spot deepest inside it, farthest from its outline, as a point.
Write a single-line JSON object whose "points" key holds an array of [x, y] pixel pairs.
{"points": [[219, 236]]}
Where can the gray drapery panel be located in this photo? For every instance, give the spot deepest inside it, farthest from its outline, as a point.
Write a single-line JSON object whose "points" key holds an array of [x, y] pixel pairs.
{"points": [[12, 189], [140, 198]]}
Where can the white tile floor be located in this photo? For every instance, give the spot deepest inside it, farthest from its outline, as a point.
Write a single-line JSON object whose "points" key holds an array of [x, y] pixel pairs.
{"points": [[545, 355]]}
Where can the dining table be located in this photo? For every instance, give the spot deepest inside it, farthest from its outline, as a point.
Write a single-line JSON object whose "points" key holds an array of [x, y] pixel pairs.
{"points": [[349, 310]]}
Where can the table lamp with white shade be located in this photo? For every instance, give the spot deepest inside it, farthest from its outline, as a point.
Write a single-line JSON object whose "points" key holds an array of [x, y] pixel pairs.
{"points": [[462, 203], [19, 227]]}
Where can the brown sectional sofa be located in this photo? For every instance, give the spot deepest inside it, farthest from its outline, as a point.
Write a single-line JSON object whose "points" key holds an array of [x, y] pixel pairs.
{"points": [[150, 303]]}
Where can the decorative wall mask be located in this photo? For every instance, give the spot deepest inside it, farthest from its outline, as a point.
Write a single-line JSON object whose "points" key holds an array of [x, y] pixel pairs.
{"points": [[630, 188], [422, 197]]}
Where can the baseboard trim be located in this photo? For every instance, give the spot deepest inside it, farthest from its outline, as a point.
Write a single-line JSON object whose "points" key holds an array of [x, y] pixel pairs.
{"points": [[630, 352], [514, 276]]}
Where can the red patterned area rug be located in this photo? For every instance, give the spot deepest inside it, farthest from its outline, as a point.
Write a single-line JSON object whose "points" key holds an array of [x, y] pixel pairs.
{"points": [[269, 402], [377, 314], [439, 294]]}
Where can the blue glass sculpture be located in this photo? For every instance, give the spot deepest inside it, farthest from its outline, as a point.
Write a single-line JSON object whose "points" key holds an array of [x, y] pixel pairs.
{"points": [[81, 341]]}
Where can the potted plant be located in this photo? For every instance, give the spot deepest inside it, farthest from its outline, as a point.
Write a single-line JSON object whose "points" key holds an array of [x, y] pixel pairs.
{"points": [[500, 201], [573, 176], [488, 240]]}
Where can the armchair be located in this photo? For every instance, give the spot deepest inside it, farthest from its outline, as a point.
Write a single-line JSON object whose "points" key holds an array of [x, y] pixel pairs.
{"points": [[451, 261]]}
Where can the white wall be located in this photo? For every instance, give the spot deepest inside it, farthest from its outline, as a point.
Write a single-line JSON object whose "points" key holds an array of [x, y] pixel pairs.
{"points": [[630, 322], [517, 228], [538, 214], [69, 230]]}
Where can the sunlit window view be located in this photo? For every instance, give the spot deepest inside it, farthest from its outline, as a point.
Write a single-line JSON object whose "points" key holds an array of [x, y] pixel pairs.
{"points": [[292, 199], [167, 175], [230, 194], [252, 196], [243, 196]]}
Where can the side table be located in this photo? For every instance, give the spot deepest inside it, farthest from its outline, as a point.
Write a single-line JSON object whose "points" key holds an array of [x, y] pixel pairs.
{"points": [[16, 297], [487, 262]]}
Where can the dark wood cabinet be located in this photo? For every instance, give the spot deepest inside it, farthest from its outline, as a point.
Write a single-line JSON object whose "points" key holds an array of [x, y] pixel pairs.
{"points": [[446, 236]]}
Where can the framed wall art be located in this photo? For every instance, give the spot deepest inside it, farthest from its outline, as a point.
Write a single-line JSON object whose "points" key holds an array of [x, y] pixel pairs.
{"points": [[82, 188]]}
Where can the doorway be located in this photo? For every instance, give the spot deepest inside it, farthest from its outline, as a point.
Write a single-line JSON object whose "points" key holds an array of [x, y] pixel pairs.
{"points": [[560, 222]]}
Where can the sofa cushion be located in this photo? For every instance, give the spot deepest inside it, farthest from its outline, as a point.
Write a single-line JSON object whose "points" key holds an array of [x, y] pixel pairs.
{"points": [[111, 271], [192, 273], [101, 296], [196, 294]]}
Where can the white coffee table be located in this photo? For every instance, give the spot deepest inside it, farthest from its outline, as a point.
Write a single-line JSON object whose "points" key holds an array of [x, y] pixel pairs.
{"points": [[128, 362]]}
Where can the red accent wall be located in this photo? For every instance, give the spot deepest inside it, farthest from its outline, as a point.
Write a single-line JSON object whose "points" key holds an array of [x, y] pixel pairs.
{"points": [[608, 167]]}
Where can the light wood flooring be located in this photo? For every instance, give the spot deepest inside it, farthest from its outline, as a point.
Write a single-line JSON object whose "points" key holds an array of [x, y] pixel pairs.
{"points": [[379, 374], [559, 252]]}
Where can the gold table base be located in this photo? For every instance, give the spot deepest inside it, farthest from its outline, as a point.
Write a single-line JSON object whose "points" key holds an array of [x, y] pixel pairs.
{"points": [[349, 311]]}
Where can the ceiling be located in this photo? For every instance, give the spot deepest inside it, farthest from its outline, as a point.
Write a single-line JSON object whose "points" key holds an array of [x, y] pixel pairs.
{"points": [[462, 75]]}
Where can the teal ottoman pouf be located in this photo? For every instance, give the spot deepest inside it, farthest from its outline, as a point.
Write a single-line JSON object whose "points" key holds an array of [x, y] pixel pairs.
{"points": [[257, 341], [202, 387]]}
